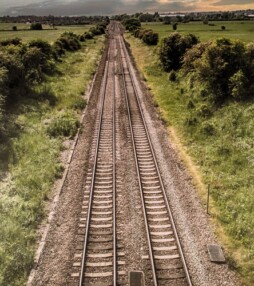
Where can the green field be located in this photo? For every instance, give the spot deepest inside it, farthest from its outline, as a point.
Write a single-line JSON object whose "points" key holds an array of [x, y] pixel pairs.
{"points": [[235, 30], [49, 34]]}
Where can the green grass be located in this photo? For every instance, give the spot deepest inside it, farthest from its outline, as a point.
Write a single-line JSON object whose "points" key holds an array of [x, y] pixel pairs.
{"points": [[47, 34], [34, 163], [220, 145], [242, 30]]}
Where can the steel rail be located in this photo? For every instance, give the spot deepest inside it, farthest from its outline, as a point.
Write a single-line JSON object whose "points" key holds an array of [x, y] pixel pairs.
{"points": [[104, 84], [114, 183], [159, 175], [138, 174]]}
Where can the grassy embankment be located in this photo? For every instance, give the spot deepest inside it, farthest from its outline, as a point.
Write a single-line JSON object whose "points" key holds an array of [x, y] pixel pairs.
{"points": [[34, 162], [223, 159]]}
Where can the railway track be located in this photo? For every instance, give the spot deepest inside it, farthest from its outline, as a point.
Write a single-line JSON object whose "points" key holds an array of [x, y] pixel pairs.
{"points": [[100, 260], [99, 256], [165, 251]]}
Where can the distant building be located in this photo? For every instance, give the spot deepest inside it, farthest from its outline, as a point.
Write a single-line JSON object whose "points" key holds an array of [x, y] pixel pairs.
{"points": [[171, 15]]}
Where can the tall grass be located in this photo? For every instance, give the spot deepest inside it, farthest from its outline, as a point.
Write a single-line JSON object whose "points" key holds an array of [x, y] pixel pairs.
{"points": [[34, 163], [220, 143]]}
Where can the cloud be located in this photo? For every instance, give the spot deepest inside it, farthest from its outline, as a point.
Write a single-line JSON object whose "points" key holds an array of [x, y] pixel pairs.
{"points": [[108, 7], [69, 7], [232, 2], [92, 7]]}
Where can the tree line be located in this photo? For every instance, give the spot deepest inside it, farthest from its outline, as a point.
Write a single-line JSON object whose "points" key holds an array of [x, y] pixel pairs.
{"points": [[24, 65]]}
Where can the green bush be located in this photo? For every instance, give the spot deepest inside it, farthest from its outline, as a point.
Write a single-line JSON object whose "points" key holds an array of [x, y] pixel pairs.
{"points": [[227, 69], [208, 128], [97, 30], [44, 46], [174, 26], [65, 125], [36, 26], [88, 35], [14, 70], [58, 49], [35, 62], [68, 41], [14, 41], [79, 103], [150, 38], [131, 24], [173, 48], [193, 54]]}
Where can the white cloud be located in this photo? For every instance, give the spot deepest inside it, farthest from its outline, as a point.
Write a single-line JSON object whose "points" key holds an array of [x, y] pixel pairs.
{"points": [[106, 7]]}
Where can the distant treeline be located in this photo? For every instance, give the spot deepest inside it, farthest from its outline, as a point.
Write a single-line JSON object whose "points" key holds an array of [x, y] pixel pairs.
{"points": [[187, 17], [53, 20]]}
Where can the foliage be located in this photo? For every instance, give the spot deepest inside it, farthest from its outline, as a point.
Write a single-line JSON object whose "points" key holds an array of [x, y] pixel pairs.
{"points": [[227, 70], [65, 125], [13, 41], [68, 41], [44, 47], [193, 54], [14, 70], [150, 38], [147, 36], [99, 29], [173, 48], [88, 35], [146, 18], [174, 26], [36, 26], [166, 20], [131, 24]]}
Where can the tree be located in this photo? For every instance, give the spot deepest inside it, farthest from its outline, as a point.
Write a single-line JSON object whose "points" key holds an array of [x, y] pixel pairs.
{"points": [[174, 26], [132, 24], [173, 48], [36, 26], [227, 69], [167, 20], [150, 38], [44, 46], [146, 17]]}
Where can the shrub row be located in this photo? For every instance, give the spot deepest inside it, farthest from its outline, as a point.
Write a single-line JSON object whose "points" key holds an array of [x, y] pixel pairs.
{"points": [[225, 67], [131, 24], [147, 36], [22, 65]]}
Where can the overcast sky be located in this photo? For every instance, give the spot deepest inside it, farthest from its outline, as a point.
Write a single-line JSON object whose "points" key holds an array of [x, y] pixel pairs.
{"points": [[109, 7]]}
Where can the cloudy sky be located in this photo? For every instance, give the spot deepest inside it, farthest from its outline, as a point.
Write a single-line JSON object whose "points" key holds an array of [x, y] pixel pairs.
{"points": [[108, 7]]}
